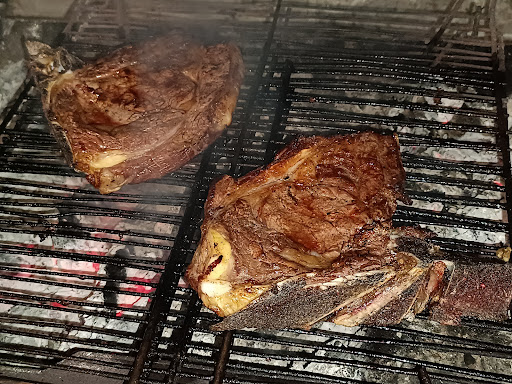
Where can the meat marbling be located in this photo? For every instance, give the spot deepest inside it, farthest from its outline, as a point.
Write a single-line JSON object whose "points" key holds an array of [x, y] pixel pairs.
{"points": [[143, 111], [309, 238]]}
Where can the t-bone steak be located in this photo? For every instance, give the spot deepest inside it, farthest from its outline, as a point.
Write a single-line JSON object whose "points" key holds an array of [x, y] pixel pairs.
{"points": [[309, 238], [141, 112]]}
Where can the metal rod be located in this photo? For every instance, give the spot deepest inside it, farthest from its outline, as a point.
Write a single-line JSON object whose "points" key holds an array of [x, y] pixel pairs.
{"points": [[168, 280], [220, 366], [251, 99], [449, 15], [282, 106]]}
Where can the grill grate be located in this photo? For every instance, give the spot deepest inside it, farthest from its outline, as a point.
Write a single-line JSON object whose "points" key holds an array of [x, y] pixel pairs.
{"points": [[91, 284]]}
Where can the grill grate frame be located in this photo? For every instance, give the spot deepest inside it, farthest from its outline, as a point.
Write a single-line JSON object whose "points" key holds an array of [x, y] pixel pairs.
{"points": [[293, 87]]}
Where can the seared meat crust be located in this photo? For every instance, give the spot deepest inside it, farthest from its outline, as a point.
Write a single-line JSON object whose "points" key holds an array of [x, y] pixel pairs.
{"points": [[307, 202], [315, 222], [141, 112], [308, 238]]}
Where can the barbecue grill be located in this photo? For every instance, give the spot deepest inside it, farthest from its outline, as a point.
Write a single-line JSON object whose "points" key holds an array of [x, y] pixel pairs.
{"points": [[91, 286]]}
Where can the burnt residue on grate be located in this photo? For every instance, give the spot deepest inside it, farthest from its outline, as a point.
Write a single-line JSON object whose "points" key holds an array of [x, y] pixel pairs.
{"points": [[90, 285]]}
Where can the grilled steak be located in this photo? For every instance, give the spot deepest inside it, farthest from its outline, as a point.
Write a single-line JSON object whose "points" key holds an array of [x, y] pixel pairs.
{"points": [[309, 238], [141, 112]]}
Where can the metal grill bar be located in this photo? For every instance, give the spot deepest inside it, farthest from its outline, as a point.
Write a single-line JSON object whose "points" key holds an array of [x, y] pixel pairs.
{"points": [[252, 96]]}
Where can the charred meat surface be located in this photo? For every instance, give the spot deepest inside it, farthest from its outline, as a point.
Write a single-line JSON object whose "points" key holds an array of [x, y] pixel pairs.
{"points": [[143, 111], [315, 222], [366, 288], [482, 291], [309, 238]]}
